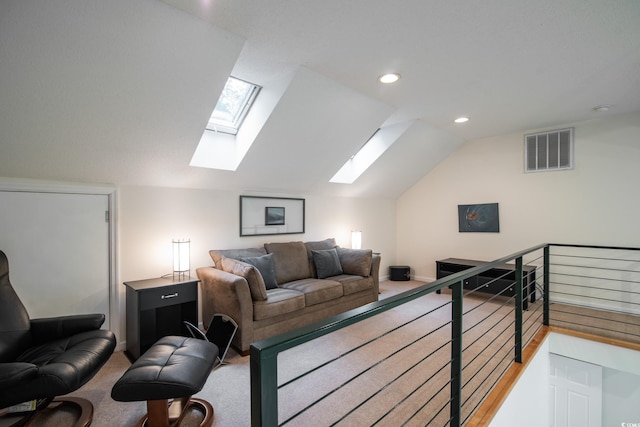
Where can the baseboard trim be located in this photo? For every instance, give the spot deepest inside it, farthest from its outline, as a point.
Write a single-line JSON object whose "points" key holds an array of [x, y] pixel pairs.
{"points": [[423, 279]]}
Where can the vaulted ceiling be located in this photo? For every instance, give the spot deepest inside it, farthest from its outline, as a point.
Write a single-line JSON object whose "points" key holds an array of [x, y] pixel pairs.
{"points": [[120, 92]]}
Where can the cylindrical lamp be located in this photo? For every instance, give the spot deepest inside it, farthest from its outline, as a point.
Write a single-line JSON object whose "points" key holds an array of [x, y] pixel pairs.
{"points": [[356, 239], [181, 257]]}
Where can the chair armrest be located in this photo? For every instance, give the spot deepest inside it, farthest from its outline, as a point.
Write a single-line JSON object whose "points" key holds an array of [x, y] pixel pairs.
{"points": [[51, 328], [16, 372]]}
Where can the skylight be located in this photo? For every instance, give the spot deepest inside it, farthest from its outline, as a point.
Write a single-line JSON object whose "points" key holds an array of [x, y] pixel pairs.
{"points": [[233, 105], [375, 146], [358, 163]]}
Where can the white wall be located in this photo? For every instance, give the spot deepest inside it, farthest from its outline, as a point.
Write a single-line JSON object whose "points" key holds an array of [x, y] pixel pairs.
{"points": [[620, 397], [592, 204], [530, 393], [150, 217]]}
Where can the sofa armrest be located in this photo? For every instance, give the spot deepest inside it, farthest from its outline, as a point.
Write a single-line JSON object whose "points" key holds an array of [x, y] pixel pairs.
{"points": [[375, 270], [226, 293]]}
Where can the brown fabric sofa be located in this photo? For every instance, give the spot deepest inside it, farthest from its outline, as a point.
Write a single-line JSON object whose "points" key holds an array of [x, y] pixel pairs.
{"points": [[284, 286]]}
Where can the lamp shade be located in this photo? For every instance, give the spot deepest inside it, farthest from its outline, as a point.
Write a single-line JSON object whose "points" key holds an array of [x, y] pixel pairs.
{"points": [[181, 255], [356, 239]]}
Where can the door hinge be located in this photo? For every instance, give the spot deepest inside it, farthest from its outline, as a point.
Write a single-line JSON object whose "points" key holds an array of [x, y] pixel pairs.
{"points": [[106, 216]]}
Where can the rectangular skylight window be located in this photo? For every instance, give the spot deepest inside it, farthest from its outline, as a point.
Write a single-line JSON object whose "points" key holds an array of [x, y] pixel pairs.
{"points": [[375, 146], [233, 105]]}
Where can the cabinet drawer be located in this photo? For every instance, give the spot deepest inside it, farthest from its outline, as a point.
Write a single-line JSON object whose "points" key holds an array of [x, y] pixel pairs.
{"points": [[497, 286], [469, 283], [445, 269], [168, 295], [444, 273]]}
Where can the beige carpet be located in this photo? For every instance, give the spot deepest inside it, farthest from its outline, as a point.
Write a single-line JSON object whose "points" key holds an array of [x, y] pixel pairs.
{"points": [[228, 386]]}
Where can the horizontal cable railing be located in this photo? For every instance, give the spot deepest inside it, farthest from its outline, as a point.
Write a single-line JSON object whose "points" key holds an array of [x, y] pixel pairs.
{"points": [[489, 355], [596, 289], [377, 364], [427, 358]]}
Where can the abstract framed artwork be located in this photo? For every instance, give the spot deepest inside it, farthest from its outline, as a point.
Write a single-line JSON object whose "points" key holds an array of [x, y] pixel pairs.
{"points": [[478, 218], [263, 216]]}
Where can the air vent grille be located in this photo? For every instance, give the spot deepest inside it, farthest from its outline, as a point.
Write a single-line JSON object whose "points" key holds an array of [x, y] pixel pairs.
{"points": [[547, 151]]}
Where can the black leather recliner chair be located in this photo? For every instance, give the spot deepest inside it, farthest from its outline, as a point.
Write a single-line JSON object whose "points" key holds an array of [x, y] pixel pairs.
{"points": [[44, 358]]}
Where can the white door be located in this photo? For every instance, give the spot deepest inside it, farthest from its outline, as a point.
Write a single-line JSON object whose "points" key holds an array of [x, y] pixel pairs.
{"points": [[58, 250], [575, 393]]}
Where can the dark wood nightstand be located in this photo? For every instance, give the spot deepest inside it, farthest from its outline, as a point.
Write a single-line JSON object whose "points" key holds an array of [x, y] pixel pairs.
{"points": [[157, 308]]}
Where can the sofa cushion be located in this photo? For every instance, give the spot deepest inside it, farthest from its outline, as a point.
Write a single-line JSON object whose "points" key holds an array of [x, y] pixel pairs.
{"points": [[327, 263], [216, 254], [316, 291], [352, 284], [355, 261], [290, 261], [318, 246], [252, 275], [264, 264], [279, 301]]}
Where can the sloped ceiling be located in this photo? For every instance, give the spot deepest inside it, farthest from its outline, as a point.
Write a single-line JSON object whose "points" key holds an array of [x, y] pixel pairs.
{"points": [[120, 92], [106, 92]]}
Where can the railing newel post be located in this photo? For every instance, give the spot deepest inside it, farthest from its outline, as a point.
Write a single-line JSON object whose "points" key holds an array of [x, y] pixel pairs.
{"points": [[456, 353], [264, 388], [545, 285], [518, 297]]}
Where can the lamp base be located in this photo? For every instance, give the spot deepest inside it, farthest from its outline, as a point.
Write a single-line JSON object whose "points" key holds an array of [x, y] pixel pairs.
{"points": [[180, 275]]}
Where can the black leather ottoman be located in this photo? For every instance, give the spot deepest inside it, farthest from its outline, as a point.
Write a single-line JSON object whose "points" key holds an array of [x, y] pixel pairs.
{"points": [[173, 368]]}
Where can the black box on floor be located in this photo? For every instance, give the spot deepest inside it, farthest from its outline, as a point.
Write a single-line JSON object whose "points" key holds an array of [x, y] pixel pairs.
{"points": [[399, 272]]}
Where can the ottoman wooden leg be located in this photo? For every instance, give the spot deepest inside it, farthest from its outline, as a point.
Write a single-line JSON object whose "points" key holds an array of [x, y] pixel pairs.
{"points": [[161, 413], [157, 414]]}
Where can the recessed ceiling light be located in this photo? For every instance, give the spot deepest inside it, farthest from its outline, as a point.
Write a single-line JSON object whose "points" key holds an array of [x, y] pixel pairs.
{"points": [[461, 120], [389, 78], [601, 108]]}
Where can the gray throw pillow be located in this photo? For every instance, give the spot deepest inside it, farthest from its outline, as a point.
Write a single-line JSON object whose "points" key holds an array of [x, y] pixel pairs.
{"points": [[327, 263], [318, 246], [355, 261], [249, 272], [264, 264]]}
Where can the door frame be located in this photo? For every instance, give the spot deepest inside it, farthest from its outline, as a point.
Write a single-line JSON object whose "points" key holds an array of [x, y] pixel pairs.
{"points": [[35, 186]]}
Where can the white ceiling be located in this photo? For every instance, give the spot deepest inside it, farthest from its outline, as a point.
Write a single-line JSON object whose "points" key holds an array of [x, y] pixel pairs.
{"points": [[120, 91]]}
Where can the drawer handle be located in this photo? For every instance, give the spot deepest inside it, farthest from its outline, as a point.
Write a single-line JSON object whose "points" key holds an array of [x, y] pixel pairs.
{"points": [[169, 296]]}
